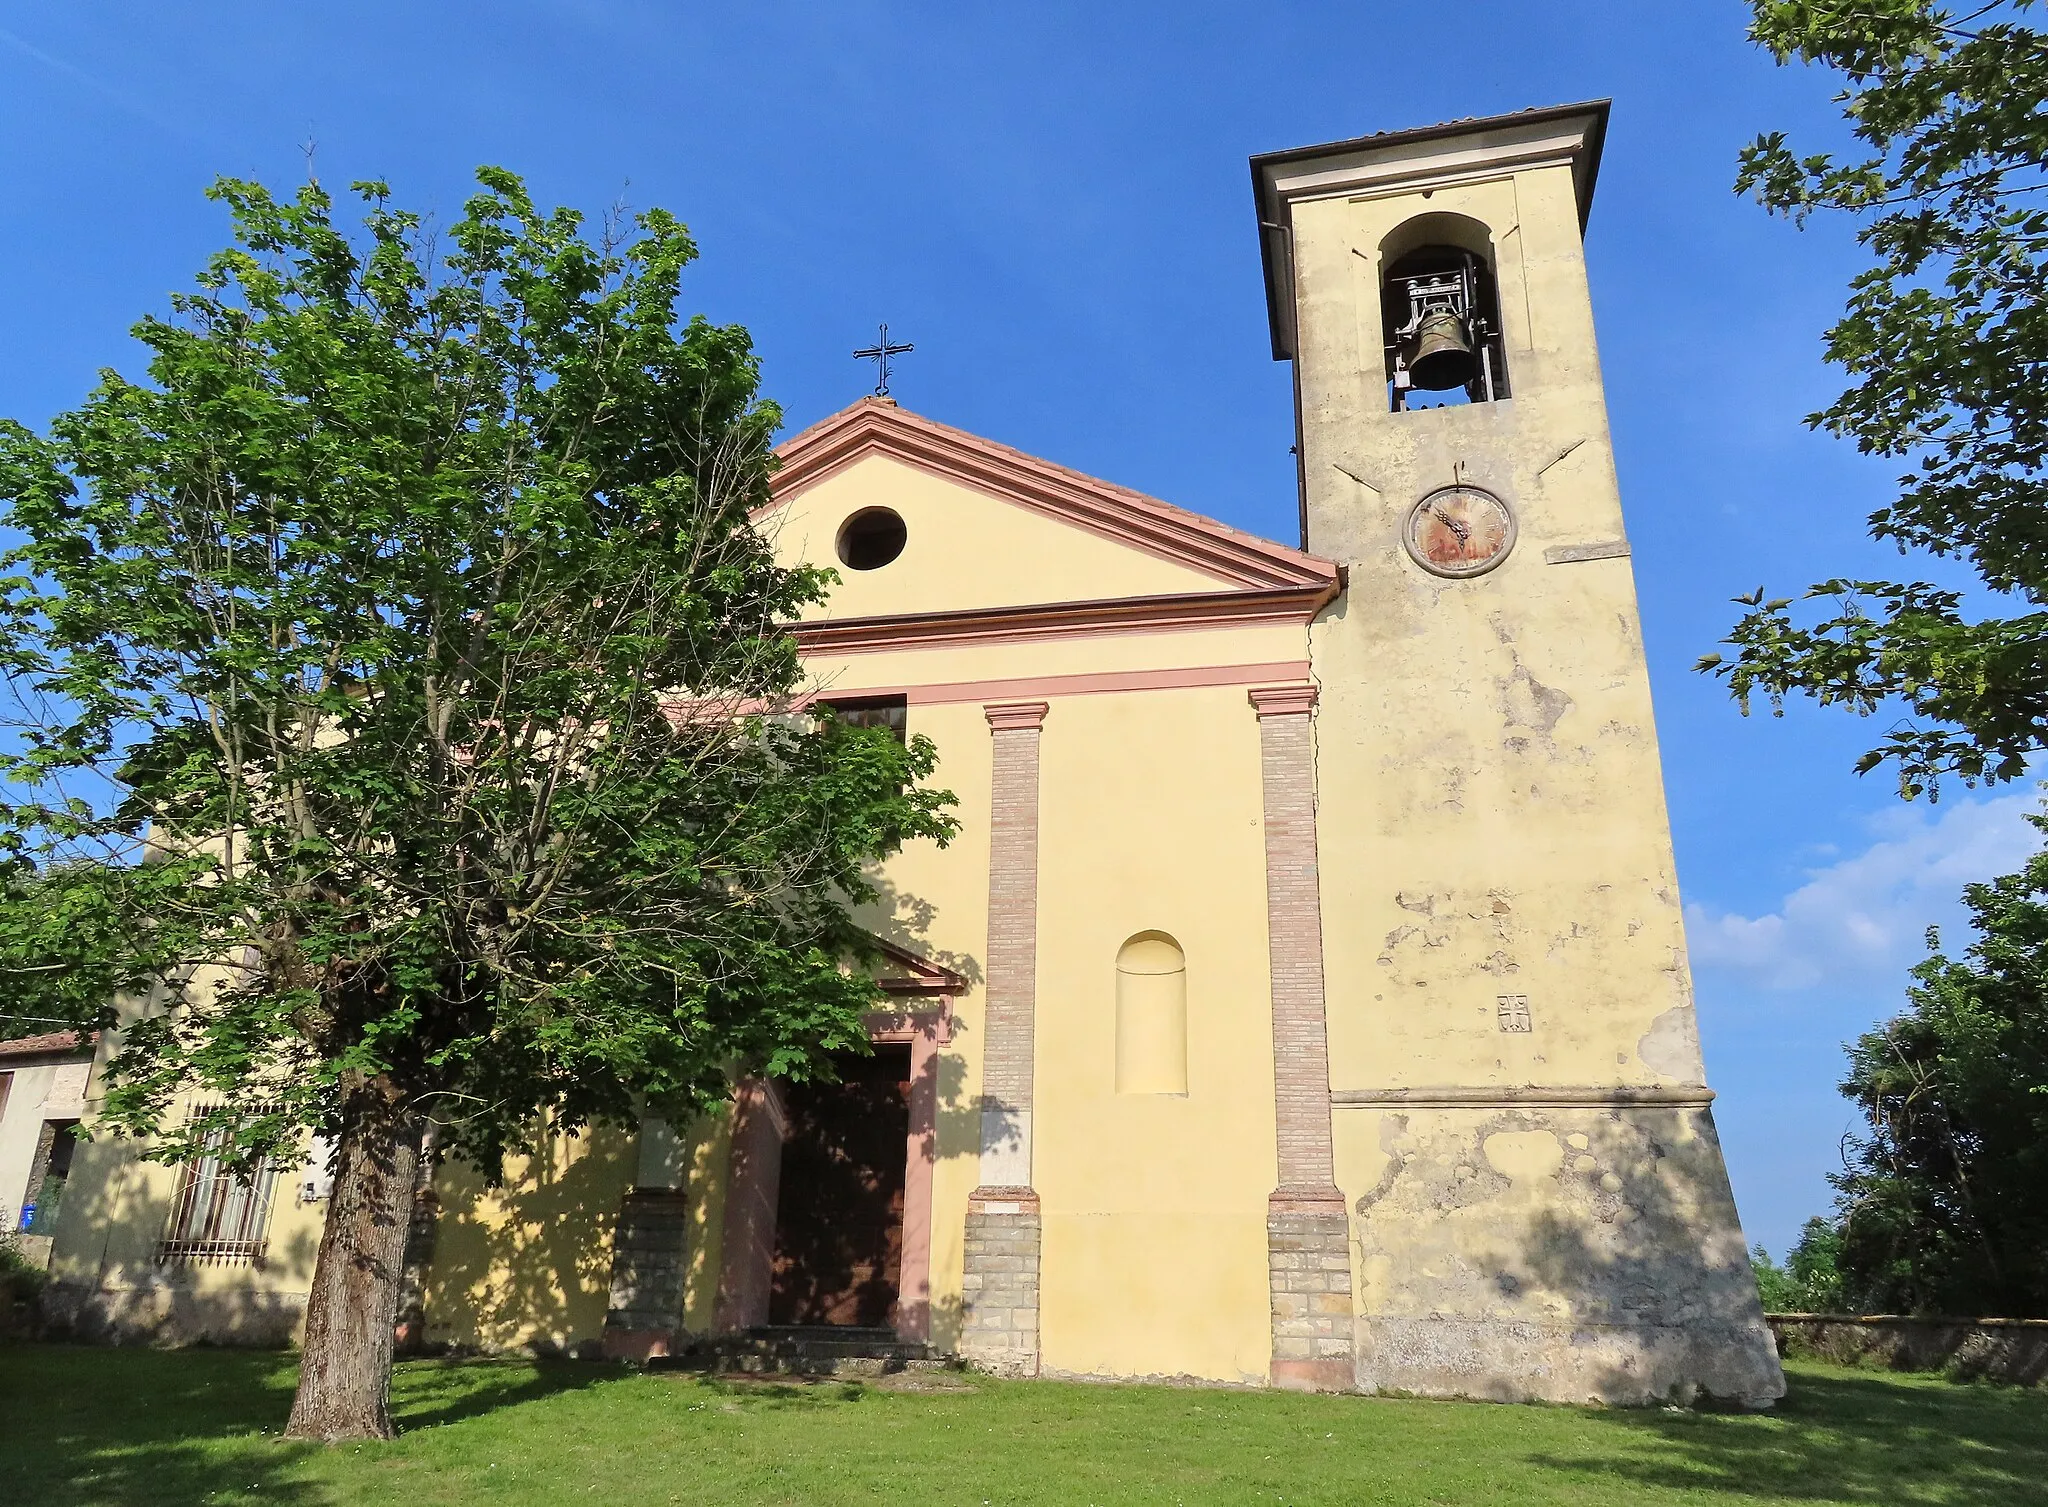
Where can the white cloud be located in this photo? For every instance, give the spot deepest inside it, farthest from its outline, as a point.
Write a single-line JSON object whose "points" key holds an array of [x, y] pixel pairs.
{"points": [[1863, 918]]}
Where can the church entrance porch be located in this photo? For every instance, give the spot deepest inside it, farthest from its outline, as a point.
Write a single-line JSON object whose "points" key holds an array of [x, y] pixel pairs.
{"points": [[839, 1210], [828, 1193]]}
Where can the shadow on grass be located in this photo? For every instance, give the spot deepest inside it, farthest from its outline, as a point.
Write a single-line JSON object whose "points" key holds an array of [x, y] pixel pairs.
{"points": [[798, 1394], [1840, 1438], [89, 1427], [427, 1394]]}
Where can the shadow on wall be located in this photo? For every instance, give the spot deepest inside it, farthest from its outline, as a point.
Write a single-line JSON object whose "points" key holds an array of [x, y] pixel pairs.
{"points": [[1845, 1439], [1573, 1254], [1646, 1236], [906, 919], [529, 1264]]}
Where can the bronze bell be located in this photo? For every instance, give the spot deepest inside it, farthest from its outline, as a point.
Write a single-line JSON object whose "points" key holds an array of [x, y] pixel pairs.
{"points": [[1443, 357]]}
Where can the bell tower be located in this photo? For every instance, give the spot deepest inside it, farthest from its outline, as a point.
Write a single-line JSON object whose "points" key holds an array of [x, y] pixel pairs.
{"points": [[1536, 1199]]}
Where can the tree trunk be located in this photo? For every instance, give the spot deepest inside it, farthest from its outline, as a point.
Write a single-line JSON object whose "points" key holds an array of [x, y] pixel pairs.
{"points": [[345, 1367]]}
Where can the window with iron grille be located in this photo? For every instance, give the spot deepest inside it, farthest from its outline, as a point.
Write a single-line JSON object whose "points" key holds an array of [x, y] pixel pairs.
{"points": [[220, 1216]]}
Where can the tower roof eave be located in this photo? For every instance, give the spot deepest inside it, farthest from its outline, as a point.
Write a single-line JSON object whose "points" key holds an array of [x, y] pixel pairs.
{"points": [[1414, 157]]}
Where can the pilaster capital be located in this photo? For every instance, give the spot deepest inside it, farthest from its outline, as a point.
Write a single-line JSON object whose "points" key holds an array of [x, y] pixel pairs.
{"points": [[1015, 716], [1282, 700]]}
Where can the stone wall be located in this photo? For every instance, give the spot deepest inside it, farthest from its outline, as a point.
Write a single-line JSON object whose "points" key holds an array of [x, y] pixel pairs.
{"points": [[2012, 1351], [650, 1257], [1001, 1284]]}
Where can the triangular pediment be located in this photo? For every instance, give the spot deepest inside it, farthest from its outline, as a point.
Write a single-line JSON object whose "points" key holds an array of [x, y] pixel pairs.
{"points": [[989, 527], [902, 972]]}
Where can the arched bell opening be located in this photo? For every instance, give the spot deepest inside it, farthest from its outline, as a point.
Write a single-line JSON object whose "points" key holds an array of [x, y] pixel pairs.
{"points": [[1440, 315]]}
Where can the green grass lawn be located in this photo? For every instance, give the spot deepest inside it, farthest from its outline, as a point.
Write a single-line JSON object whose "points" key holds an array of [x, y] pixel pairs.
{"points": [[137, 1428]]}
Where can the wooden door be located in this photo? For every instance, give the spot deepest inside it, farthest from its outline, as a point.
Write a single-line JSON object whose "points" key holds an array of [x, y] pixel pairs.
{"points": [[839, 1213]]}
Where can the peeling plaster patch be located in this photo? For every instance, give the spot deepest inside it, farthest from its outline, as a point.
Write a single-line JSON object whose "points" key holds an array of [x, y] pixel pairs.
{"points": [[1527, 702], [1561, 939], [1671, 1047], [1524, 1156], [1500, 965]]}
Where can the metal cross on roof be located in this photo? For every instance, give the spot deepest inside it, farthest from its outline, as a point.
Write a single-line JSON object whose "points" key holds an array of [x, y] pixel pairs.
{"points": [[879, 353]]}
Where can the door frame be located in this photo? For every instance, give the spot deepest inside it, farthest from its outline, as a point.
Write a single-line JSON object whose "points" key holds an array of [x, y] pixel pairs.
{"points": [[920, 1013]]}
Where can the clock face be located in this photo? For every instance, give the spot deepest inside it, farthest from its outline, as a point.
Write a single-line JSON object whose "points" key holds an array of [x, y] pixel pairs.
{"points": [[1459, 531]]}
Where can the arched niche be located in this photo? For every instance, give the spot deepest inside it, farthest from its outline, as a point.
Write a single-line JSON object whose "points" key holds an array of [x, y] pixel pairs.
{"points": [[1440, 321], [1151, 1015]]}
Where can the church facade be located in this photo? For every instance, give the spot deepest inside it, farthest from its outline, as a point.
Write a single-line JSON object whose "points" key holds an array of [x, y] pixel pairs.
{"points": [[1304, 1001]]}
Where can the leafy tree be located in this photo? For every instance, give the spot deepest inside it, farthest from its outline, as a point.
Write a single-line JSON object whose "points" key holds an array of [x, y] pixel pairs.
{"points": [[1775, 1288], [1946, 336], [391, 669], [1808, 1282], [1944, 1202], [1814, 1264]]}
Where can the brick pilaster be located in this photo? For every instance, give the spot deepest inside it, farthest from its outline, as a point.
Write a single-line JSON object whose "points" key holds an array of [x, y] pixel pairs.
{"points": [[1307, 1228], [1000, 1275]]}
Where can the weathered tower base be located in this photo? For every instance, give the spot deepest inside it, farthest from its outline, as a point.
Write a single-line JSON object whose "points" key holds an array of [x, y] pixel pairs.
{"points": [[1559, 1254]]}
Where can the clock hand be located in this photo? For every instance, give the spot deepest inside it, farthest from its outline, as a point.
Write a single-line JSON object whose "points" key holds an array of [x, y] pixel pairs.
{"points": [[1463, 532]]}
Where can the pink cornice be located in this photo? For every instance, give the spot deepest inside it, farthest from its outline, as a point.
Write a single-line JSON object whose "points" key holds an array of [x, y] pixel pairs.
{"points": [[1089, 683], [1016, 688], [1021, 715], [1111, 615], [872, 426], [1282, 700]]}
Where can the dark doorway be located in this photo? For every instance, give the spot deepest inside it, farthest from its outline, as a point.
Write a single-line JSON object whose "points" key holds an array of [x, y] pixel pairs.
{"points": [[839, 1211]]}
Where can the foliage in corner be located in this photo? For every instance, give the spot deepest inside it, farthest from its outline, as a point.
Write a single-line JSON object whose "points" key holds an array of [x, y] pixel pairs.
{"points": [[1942, 1204], [1946, 337], [1809, 1281], [398, 682], [20, 1278]]}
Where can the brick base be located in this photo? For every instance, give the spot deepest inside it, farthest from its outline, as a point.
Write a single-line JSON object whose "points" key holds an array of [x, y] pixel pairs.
{"points": [[649, 1254], [999, 1285], [1308, 1254]]}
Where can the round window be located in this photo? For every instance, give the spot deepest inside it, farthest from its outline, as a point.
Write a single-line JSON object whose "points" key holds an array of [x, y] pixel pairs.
{"points": [[871, 538]]}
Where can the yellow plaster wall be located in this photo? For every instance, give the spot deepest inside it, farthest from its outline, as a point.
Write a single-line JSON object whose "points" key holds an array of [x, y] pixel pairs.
{"points": [[528, 1264], [964, 549], [1154, 1257], [709, 1147]]}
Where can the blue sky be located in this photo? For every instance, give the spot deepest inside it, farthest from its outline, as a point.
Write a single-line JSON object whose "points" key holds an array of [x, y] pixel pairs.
{"points": [[1052, 202]]}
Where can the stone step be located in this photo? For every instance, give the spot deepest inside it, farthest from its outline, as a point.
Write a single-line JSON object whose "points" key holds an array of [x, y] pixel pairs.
{"points": [[805, 1350]]}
